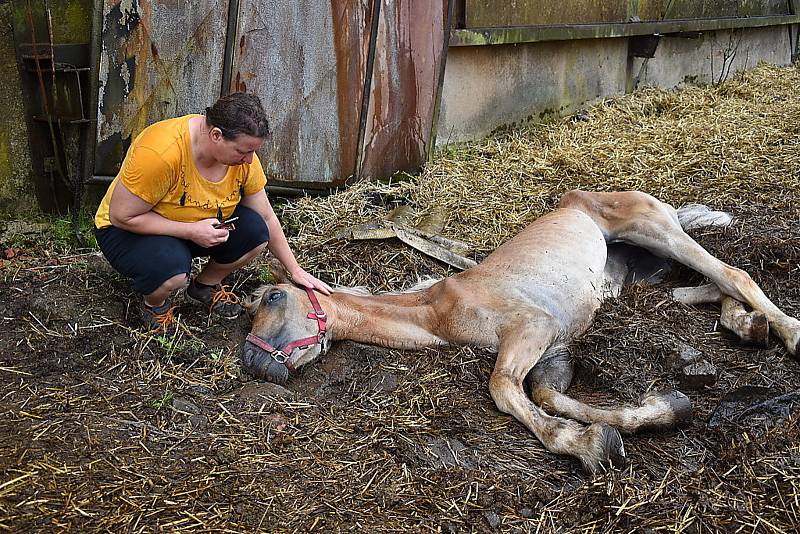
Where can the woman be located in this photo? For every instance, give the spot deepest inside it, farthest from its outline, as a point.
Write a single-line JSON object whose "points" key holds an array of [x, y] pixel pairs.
{"points": [[182, 178]]}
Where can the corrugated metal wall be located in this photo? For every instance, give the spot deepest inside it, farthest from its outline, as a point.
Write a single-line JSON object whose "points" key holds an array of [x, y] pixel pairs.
{"points": [[158, 60], [402, 101], [306, 60]]}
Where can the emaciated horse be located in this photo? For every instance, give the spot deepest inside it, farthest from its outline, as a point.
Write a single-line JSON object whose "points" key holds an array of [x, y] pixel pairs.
{"points": [[525, 302]]}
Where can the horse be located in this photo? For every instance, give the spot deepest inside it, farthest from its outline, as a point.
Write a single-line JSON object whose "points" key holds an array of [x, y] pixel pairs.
{"points": [[525, 302]]}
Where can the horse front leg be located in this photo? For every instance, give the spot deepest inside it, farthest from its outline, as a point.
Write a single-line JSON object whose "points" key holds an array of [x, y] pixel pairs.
{"points": [[751, 327], [521, 345], [550, 377]]}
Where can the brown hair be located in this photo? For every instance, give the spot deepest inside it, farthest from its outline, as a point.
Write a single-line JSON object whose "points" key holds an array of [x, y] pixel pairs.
{"points": [[238, 113]]}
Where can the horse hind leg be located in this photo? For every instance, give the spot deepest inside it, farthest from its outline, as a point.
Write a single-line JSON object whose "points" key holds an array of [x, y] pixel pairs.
{"points": [[653, 225], [692, 296], [750, 327]]}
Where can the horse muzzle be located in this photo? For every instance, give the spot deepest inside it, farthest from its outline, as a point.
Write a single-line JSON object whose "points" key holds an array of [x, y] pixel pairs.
{"points": [[262, 364]]}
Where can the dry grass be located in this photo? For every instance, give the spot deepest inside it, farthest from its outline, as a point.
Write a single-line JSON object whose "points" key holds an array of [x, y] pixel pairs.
{"points": [[739, 142]]}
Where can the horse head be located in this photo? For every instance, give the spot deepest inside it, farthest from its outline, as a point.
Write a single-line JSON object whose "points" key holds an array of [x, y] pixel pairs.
{"points": [[289, 331]]}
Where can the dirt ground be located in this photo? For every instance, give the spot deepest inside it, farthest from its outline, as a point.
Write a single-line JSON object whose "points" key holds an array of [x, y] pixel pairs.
{"points": [[104, 428]]}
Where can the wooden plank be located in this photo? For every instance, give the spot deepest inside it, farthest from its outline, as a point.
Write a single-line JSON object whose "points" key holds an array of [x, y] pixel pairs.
{"points": [[493, 14], [535, 34]]}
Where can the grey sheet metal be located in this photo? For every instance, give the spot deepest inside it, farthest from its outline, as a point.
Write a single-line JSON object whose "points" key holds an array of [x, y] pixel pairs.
{"points": [[408, 52], [305, 60]]}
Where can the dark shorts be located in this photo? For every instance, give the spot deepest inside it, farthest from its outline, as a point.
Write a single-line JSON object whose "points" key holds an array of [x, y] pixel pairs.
{"points": [[151, 260]]}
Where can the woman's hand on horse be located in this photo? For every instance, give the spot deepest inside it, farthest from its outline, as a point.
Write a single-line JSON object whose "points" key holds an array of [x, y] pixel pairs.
{"points": [[205, 235], [302, 278]]}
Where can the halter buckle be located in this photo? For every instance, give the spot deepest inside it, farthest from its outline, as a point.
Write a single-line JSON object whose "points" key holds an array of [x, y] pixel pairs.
{"points": [[280, 356]]}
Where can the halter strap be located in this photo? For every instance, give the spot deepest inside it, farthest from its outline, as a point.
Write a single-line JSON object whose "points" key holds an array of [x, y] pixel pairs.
{"points": [[282, 355]]}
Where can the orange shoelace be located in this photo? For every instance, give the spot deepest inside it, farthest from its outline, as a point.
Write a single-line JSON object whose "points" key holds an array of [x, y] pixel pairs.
{"points": [[223, 296], [166, 318]]}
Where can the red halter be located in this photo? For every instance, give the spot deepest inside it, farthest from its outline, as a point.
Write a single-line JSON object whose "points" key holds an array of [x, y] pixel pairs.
{"points": [[282, 355]]}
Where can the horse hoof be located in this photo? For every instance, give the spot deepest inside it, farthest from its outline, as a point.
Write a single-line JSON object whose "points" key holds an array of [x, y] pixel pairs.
{"points": [[554, 370], [759, 329], [677, 406], [606, 449]]}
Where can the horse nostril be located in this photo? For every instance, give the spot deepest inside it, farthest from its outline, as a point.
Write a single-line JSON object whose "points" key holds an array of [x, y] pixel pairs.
{"points": [[276, 372], [248, 357], [262, 365]]}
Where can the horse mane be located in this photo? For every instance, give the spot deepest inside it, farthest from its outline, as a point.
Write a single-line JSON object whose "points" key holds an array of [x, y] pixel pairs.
{"points": [[251, 302], [421, 285], [354, 290]]}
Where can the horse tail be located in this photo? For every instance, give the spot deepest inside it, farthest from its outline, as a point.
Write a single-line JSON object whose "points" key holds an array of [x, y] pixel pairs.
{"points": [[698, 215]]}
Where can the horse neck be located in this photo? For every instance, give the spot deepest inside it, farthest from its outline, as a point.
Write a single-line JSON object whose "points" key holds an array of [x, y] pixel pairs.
{"points": [[400, 321]]}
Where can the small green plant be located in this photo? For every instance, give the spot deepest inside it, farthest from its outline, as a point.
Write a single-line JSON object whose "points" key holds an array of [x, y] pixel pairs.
{"points": [[176, 344], [216, 356], [63, 235], [265, 275], [165, 399]]}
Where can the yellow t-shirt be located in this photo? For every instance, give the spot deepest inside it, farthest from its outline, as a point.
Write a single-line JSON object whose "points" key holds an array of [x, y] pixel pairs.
{"points": [[159, 169]]}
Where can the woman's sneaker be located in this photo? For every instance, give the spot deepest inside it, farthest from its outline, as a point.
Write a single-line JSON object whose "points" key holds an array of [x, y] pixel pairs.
{"points": [[216, 299], [158, 317]]}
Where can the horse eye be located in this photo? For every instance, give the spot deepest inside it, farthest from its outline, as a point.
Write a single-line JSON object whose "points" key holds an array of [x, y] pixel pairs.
{"points": [[275, 296]]}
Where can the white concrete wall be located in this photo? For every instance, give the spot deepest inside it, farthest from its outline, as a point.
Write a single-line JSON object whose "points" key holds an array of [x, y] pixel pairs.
{"points": [[713, 56], [487, 87]]}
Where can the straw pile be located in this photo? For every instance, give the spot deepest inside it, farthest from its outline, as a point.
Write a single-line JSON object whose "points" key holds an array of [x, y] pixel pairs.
{"points": [[721, 146], [104, 429]]}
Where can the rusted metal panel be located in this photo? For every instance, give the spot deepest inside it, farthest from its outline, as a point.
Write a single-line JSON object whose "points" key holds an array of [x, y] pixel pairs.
{"points": [[409, 49], [306, 61], [159, 59], [493, 14]]}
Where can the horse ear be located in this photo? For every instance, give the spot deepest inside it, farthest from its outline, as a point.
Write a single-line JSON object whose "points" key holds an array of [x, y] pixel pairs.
{"points": [[278, 271], [252, 301]]}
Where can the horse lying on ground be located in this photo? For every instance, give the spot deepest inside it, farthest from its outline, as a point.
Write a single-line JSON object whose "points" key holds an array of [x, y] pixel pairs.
{"points": [[525, 302]]}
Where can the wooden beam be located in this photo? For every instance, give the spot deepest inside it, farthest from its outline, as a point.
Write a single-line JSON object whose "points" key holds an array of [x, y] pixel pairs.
{"points": [[567, 32]]}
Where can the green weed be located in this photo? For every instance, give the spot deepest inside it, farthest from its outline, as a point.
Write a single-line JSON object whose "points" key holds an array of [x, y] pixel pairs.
{"points": [[165, 400], [177, 345]]}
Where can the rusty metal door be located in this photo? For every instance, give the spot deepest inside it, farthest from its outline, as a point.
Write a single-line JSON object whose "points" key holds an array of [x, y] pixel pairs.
{"points": [[406, 76], [159, 59], [308, 63], [306, 60]]}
